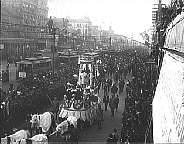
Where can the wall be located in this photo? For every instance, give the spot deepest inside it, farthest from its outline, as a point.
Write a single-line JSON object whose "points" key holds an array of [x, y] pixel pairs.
{"points": [[168, 110], [175, 34]]}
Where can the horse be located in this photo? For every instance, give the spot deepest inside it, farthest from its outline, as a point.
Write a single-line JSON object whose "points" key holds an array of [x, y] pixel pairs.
{"points": [[17, 137], [45, 121], [39, 139]]}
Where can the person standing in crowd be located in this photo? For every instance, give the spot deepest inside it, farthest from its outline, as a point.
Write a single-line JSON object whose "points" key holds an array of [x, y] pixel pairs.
{"points": [[115, 136], [110, 139], [116, 101], [107, 84], [99, 114], [98, 88], [121, 86], [116, 76], [55, 107], [122, 135], [128, 89], [7, 67], [109, 81], [74, 134], [105, 88], [106, 101], [112, 105], [114, 89], [125, 72], [11, 87]]}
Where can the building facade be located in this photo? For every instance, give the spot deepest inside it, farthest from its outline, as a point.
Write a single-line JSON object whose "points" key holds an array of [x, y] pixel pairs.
{"points": [[22, 24], [61, 23], [82, 26], [168, 126], [73, 32]]}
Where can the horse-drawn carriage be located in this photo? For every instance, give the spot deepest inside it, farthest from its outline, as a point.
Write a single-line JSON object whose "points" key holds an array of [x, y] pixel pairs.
{"points": [[82, 104], [85, 111], [77, 112]]}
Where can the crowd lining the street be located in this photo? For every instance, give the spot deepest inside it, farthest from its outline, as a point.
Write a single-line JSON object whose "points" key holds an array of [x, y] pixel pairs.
{"points": [[43, 90], [139, 90]]}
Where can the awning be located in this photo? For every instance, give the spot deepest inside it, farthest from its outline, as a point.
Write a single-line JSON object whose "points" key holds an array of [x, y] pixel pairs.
{"points": [[24, 62], [15, 40]]}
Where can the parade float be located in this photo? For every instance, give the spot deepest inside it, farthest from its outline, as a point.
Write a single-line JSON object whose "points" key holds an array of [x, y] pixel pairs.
{"points": [[80, 104], [80, 100]]}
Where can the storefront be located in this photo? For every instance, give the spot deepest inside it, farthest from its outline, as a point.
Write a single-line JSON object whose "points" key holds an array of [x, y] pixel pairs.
{"points": [[16, 48]]}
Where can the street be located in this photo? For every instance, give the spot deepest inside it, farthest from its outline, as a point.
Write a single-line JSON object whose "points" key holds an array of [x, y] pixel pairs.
{"points": [[95, 135]]}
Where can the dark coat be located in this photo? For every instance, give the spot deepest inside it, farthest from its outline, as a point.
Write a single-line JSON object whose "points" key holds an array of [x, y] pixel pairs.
{"points": [[112, 103]]}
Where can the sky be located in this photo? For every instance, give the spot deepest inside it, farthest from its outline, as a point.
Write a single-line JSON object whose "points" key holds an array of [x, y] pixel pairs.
{"points": [[127, 17]]}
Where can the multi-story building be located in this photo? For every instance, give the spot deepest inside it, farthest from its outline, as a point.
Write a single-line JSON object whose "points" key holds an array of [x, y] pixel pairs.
{"points": [[22, 22], [82, 26], [95, 31], [60, 23], [73, 32]]}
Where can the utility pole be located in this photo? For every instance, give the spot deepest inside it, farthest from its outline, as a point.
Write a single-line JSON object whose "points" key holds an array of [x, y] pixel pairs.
{"points": [[159, 17], [54, 48], [73, 43], [94, 43], [110, 42], [52, 31], [158, 46]]}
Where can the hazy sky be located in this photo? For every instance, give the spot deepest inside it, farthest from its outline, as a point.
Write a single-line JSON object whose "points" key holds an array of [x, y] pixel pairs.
{"points": [[127, 17]]}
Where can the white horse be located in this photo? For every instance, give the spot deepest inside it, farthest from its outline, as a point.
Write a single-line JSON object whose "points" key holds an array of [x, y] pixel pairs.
{"points": [[44, 121], [17, 137], [62, 127], [39, 139]]}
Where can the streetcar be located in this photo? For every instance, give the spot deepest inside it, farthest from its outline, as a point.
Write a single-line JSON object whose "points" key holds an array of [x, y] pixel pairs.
{"points": [[33, 65], [68, 57]]}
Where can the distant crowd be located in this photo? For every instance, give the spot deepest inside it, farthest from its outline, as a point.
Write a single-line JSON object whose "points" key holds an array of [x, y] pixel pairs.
{"points": [[38, 92]]}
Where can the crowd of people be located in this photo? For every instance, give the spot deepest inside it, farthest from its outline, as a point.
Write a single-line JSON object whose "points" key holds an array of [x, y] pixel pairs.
{"points": [[39, 91], [79, 96], [5, 75], [34, 94], [140, 90]]}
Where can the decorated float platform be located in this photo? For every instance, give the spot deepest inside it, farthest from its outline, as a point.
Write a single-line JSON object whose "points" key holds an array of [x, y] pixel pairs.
{"points": [[81, 101], [84, 110]]}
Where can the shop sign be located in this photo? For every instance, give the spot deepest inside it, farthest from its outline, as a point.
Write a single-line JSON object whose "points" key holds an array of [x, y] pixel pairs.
{"points": [[22, 74]]}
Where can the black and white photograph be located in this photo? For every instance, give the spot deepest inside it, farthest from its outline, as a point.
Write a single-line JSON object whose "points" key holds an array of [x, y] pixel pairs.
{"points": [[91, 71]]}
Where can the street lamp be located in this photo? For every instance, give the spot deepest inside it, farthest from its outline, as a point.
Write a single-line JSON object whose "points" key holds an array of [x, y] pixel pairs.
{"points": [[53, 47], [110, 40]]}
